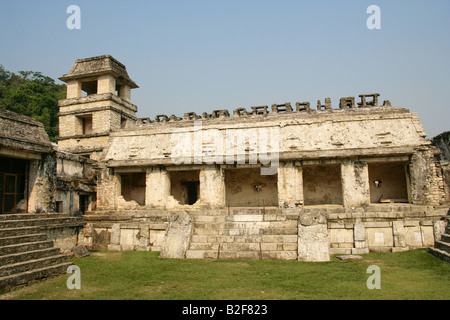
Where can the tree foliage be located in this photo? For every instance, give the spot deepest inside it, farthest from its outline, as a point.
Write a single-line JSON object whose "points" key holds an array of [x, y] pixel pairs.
{"points": [[32, 94]]}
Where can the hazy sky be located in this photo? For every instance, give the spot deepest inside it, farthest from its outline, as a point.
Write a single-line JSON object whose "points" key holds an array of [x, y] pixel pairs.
{"points": [[205, 55]]}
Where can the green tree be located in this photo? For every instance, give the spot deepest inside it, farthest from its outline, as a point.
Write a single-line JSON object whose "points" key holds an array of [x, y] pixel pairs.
{"points": [[32, 94]]}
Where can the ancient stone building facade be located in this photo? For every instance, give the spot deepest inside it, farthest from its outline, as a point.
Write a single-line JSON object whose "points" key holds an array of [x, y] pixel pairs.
{"points": [[286, 181], [36, 178]]}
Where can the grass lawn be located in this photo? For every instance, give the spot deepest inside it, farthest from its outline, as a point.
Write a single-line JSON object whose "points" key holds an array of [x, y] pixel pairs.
{"points": [[413, 274]]}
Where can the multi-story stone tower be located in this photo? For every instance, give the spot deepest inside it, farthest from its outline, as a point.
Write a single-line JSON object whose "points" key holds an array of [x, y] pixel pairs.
{"points": [[97, 102]]}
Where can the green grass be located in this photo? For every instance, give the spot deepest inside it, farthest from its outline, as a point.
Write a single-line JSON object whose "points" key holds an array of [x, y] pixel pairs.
{"points": [[413, 274]]}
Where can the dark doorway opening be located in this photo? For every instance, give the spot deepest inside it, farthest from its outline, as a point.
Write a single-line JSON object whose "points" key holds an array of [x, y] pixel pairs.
{"points": [[185, 186], [84, 203], [191, 188], [12, 185]]}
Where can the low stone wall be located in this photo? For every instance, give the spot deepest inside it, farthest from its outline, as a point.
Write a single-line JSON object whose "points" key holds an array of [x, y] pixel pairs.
{"points": [[125, 230], [321, 231], [65, 238], [384, 228]]}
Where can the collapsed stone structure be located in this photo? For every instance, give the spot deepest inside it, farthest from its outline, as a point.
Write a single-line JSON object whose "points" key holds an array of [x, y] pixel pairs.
{"points": [[287, 181]]}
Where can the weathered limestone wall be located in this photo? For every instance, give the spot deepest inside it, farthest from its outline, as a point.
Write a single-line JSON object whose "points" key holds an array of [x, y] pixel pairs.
{"points": [[100, 106], [383, 228], [75, 176], [335, 133], [290, 184], [158, 187], [248, 188], [443, 174], [212, 186], [105, 112], [355, 183], [347, 182], [442, 141], [85, 145], [107, 189], [141, 230], [423, 177], [65, 238], [322, 184], [42, 184]]}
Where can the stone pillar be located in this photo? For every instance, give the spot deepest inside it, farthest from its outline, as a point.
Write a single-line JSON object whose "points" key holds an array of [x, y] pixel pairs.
{"points": [[107, 189], [42, 184], [114, 244], [32, 180], [399, 233], [144, 236], [73, 89], [359, 236], [86, 236], [424, 188], [355, 183], [212, 186], [106, 84], [290, 184], [439, 229], [125, 92], [157, 187], [313, 243]]}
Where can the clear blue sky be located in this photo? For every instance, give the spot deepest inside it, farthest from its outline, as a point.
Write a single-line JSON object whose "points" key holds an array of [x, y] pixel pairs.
{"points": [[203, 55]]}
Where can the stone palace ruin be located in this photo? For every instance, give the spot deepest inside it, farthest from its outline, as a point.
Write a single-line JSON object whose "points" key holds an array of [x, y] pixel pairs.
{"points": [[285, 181]]}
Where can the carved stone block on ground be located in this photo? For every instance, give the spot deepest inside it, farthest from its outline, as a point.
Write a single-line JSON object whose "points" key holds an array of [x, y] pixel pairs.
{"points": [[178, 236]]}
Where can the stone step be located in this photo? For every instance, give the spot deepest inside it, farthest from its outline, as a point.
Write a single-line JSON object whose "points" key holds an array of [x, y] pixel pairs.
{"points": [[245, 225], [245, 232], [22, 239], [245, 217], [8, 224], [34, 229], [266, 255], [236, 246], [23, 216], [9, 282], [445, 237], [202, 218], [260, 224], [259, 231], [24, 266], [239, 218], [24, 247], [28, 255], [237, 211], [11, 232], [251, 211], [244, 239], [444, 246], [443, 255]]}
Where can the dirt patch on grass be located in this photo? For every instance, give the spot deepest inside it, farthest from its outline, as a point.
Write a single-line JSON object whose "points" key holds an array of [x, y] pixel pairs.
{"points": [[111, 256]]}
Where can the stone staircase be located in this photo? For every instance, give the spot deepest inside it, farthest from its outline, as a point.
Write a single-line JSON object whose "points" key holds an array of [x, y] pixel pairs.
{"points": [[26, 253], [441, 247], [244, 234]]}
